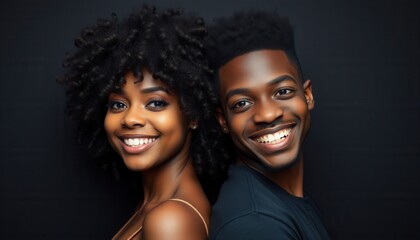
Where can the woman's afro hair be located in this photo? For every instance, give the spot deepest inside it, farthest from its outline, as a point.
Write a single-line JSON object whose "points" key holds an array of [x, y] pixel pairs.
{"points": [[167, 44]]}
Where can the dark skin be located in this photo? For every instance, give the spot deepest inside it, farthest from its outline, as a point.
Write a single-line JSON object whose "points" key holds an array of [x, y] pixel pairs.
{"points": [[147, 128], [265, 108]]}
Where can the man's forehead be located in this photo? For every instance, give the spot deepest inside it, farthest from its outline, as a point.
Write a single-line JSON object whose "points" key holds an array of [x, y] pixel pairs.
{"points": [[253, 65]]}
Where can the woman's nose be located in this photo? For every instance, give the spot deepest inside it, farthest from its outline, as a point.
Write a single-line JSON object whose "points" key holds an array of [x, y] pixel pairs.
{"points": [[133, 118]]}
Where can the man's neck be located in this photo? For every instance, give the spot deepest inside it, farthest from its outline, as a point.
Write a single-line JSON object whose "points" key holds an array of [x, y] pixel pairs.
{"points": [[290, 179]]}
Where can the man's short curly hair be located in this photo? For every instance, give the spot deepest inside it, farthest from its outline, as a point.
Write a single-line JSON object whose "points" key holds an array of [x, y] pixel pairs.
{"points": [[170, 47], [245, 32]]}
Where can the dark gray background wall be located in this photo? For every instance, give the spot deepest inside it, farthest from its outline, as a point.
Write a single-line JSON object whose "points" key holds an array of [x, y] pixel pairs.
{"points": [[362, 156]]}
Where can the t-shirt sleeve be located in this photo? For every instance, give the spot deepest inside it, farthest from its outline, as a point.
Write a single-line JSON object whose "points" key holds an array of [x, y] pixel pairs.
{"points": [[255, 226]]}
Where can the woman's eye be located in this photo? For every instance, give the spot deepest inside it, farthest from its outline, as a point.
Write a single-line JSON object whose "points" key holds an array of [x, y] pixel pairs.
{"points": [[117, 105], [241, 104], [157, 105]]}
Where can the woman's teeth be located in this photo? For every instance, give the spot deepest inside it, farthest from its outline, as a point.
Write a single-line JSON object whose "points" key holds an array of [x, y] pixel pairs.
{"points": [[135, 142], [274, 138]]}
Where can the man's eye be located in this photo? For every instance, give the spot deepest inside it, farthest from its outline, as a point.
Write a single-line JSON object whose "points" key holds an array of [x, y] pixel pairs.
{"points": [[241, 104], [117, 105], [157, 104], [284, 91]]}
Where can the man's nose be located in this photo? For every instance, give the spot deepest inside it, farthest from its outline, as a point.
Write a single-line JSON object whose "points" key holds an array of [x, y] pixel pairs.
{"points": [[268, 112]]}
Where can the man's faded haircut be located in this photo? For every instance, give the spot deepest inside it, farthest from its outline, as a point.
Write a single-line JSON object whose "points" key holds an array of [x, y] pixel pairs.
{"points": [[245, 32]]}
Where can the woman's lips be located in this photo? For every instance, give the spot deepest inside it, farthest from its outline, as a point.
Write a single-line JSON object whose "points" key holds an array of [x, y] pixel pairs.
{"points": [[136, 145], [136, 142], [276, 141]]}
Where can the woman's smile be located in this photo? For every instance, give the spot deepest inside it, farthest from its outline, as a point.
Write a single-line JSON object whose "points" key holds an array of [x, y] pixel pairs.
{"points": [[137, 145], [145, 123]]}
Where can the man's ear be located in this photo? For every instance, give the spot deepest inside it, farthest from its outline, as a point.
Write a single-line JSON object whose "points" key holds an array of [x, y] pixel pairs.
{"points": [[307, 89], [221, 120]]}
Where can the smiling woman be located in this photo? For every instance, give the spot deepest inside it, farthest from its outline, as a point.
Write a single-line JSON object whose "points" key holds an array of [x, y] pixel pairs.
{"points": [[150, 72], [145, 124]]}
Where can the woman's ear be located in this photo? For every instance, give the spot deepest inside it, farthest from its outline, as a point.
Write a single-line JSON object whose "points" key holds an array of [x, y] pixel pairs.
{"points": [[307, 89], [221, 120], [194, 124]]}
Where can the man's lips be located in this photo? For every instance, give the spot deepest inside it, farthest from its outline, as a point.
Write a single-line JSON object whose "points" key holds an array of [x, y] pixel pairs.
{"points": [[273, 130], [274, 139]]}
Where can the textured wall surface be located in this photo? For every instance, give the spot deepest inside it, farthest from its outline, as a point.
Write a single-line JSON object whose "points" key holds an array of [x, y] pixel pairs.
{"points": [[362, 158]]}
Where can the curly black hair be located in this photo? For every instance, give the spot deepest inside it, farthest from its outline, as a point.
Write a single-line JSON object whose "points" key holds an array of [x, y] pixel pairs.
{"points": [[167, 44], [249, 31]]}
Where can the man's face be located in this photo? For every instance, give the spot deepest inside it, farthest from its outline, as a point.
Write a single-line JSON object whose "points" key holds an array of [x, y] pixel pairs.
{"points": [[265, 107]]}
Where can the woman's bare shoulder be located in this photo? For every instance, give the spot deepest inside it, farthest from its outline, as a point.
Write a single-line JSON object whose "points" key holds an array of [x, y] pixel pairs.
{"points": [[173, 220]]}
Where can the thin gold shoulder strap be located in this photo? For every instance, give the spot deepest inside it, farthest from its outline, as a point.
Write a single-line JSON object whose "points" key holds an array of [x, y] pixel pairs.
{"points": [[195, 209]]}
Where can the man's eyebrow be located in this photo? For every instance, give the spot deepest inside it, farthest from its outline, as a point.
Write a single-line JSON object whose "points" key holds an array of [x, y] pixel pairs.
{"points": [[154, 89], [281, 79], [236, 91], [245, 90]]}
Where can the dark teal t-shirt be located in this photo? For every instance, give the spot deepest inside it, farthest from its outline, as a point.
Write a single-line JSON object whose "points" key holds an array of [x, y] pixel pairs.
{"points": [[251, 206]]}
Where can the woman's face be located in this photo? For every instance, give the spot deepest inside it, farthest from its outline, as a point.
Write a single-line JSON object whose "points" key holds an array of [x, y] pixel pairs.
{"points": [[145, 124]]}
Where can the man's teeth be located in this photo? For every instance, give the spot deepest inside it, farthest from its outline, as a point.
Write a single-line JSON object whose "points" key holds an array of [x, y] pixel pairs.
{"points": [[135, 142], [274, 138]]}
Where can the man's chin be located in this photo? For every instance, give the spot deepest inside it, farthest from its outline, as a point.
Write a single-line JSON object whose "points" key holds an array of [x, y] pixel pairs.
{"points": [[275, 164]]}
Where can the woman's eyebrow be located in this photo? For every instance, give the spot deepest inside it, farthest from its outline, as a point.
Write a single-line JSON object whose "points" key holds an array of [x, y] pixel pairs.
{"points": [[154, 89]]}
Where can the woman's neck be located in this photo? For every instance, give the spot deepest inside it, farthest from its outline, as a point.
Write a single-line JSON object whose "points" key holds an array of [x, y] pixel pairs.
{"points": [[163, 182]]}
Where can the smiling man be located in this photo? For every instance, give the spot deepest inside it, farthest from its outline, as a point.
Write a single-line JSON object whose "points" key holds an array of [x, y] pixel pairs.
{"points": [[264, 106]]}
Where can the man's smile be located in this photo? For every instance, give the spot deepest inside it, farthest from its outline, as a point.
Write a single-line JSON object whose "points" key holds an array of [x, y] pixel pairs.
{"points": [[274, 139]]}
